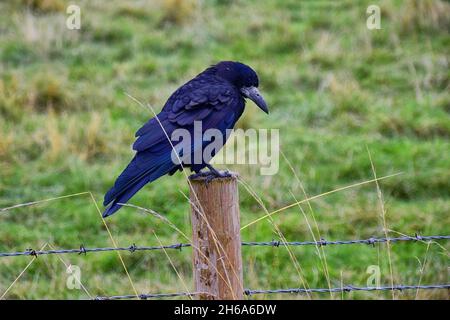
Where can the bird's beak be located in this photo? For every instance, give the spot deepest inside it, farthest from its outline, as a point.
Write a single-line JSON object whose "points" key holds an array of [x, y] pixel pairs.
{"points": [[253, 94]]}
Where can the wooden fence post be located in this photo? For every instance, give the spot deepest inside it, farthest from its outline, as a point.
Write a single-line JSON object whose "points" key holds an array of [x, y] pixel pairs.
{"points": [[217, 260]]}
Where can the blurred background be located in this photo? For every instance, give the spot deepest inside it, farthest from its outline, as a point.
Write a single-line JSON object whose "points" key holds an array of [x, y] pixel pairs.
{"points": [[339, 93]]}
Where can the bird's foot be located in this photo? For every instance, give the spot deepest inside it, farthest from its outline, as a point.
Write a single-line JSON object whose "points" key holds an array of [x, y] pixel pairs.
{"points": [[199, 174], [210, 175], [216, 174]]}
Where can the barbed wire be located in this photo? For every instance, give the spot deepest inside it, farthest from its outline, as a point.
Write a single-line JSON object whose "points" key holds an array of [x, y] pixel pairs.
{"points": [[348, 288], [178, 246], [84, 250], [147, 296], [323, 242], [249, 292]]}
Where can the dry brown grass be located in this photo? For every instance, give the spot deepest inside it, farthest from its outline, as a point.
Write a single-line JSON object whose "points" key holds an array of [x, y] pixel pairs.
{"points": [[179, 11], [46, 33], [49, 92], [6, 141], [11, 96], [424, 14], [45, 5]]}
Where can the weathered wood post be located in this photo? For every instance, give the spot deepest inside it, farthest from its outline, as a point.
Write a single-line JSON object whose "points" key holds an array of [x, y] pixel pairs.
{"points": [[217, 260]]}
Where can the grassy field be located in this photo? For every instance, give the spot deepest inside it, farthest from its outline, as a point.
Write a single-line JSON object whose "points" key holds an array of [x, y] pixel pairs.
{"points": [[339, 93]]}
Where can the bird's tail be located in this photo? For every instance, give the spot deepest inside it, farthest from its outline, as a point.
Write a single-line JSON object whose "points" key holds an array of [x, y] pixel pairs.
{"points": [[125, 196], [128, 184]]}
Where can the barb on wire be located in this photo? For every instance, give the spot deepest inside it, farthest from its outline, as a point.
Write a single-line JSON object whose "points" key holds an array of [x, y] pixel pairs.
{"points": [[274, 243], [348, 288]]}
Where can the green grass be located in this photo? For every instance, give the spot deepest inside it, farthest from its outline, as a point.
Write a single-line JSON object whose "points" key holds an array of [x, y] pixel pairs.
{"points": [[334, 88]]}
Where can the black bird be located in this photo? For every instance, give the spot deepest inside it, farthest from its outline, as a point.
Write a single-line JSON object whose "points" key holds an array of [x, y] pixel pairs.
{"points": [[216, 97]]}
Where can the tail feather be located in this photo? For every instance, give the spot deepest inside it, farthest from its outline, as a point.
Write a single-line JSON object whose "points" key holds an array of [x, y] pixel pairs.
{"points": [[116, 196], [142, 164], [125, 196]]}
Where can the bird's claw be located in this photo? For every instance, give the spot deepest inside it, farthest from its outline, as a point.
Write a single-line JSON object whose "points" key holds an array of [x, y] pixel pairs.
{"points": [[209, 178]]}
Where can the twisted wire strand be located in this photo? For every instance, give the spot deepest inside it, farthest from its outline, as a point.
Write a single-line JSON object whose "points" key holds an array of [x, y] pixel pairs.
{"points": [[274, 243], [82, 249], [146, 296], [323, 242], [249, 292], [347, 288]]}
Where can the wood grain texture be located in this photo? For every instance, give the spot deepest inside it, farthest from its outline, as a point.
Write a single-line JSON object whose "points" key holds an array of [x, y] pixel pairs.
{"points": [[217, 259]]}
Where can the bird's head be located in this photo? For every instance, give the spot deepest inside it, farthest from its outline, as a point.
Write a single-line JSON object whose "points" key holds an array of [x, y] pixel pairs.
{"points": [[244, 78]]}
